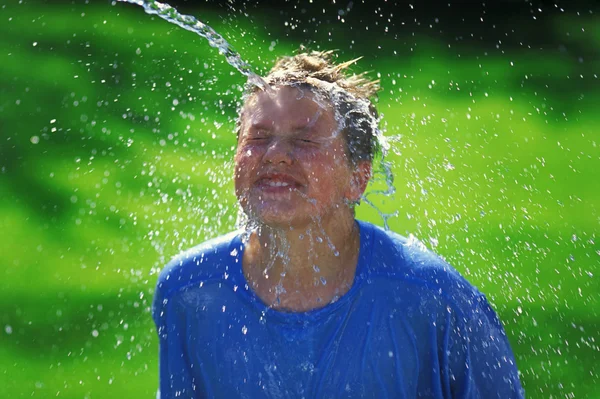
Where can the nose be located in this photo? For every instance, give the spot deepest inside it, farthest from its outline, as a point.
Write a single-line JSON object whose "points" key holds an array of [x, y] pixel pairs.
{"points": [[279, 151]]}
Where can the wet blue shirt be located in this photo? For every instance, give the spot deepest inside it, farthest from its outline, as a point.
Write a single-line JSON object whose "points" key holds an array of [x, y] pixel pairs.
{"points": [[409, 327]]}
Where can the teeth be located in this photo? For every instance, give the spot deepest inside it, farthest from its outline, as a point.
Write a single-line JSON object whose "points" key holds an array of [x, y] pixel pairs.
{"points": [[277, 184]]}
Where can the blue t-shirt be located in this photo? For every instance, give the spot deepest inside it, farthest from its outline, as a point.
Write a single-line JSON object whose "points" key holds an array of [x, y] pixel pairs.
{"points": [[410, 326]]}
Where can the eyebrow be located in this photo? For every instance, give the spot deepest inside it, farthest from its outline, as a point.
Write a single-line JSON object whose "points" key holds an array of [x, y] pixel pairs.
{"points": [[299, 124], [313, 121], [262, 124], [295, 126], [307, 123]]}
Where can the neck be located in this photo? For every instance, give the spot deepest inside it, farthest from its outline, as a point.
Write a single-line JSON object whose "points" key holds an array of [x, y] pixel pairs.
{"points": [[299, 269]]}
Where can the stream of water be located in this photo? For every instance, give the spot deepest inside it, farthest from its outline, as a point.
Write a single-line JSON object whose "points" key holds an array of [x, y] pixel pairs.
{"points": [[214, 39]]}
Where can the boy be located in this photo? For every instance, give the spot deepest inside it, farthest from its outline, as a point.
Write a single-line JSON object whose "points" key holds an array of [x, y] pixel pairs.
{"points": [[306, 301]]}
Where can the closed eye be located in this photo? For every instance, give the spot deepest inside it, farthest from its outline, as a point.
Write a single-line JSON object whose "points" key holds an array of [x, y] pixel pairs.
{"points": [[257, 133], [306, 141], [257, 137]]}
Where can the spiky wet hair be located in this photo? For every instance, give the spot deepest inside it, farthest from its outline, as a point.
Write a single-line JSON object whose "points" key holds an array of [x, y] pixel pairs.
{"points": [[351, 95], [320, 65]]}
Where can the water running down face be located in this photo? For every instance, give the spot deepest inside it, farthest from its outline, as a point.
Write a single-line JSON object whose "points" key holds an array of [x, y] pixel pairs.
{"points": [[291, 164]]}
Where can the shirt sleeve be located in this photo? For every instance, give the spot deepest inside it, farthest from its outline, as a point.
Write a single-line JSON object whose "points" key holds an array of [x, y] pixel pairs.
{"points": [[481, 363], [175, 377]]}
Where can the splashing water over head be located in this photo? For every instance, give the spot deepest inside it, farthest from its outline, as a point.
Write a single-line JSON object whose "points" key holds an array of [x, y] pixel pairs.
{"points": [[349, 94]]}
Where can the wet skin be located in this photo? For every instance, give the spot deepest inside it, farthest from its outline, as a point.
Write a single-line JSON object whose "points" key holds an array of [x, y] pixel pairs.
{"points": [[293, 177], [291, 163]]}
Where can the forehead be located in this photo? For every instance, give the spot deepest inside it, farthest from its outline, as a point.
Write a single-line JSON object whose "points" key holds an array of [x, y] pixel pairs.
{"points": [[286, 103]]}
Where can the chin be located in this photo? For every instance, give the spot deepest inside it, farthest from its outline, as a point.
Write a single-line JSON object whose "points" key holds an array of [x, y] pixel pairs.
{"points": [[287, 214], [280, 219]]}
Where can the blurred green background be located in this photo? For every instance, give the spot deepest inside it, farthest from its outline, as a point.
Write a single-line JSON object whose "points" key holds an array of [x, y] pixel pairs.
{"points": [[115, 154]]}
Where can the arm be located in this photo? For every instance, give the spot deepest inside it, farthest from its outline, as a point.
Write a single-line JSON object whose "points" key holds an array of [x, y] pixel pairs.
{"points": [[175, 378], [481, 363]]}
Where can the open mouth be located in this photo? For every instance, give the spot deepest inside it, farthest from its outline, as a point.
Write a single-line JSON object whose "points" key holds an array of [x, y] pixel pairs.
{"points": [[277, 184], [272, 183]]}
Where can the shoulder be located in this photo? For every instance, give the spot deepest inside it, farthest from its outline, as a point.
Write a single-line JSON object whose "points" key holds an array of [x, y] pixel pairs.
{"points": [[206, 261], [409, 263]]}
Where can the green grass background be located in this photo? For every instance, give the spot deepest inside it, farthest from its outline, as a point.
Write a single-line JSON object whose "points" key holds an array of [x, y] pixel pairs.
{"points": [[115, 154]]}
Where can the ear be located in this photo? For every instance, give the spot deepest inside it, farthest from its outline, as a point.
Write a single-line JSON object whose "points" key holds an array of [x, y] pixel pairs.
{"points": [[359, 181]]}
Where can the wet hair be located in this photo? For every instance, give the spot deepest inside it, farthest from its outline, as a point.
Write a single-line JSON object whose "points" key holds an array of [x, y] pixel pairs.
{"points": [[350, 94]]}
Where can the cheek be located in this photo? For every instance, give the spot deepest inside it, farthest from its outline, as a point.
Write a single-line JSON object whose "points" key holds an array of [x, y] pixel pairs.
{"points": [[245, 165], [239, 168], [326, 161], [245, 157]]}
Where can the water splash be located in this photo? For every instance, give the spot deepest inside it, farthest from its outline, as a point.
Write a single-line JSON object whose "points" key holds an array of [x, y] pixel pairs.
{"points": [[214, 39], [386, 176]]}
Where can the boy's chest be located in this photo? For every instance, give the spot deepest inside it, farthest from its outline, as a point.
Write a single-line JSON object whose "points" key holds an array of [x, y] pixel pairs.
{"points": [[345, 355]]}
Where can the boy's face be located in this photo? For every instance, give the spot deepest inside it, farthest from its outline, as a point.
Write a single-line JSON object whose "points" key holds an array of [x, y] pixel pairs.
{"points": [[291, 165]]}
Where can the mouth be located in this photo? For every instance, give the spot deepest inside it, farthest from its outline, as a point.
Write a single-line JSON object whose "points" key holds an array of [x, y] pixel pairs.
{"points": [[277, 183]]}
